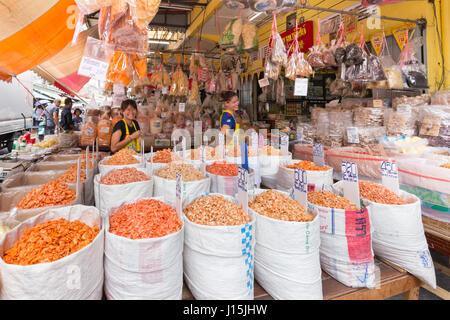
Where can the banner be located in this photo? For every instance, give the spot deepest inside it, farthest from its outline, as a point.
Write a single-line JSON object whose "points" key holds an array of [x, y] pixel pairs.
{"points": [[377, 42], [305, 36], [400, 35]]}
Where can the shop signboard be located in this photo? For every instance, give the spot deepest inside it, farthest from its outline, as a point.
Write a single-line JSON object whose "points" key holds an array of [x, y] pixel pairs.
{"points": [[305, 36]]}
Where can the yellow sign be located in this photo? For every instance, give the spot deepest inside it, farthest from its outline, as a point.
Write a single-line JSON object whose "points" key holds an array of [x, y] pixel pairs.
{"points": [[377, 42], [400, 35]]}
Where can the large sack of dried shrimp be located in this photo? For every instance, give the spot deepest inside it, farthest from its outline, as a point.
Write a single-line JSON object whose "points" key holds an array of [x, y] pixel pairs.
{"points": [[53, 274], [287, 261]]}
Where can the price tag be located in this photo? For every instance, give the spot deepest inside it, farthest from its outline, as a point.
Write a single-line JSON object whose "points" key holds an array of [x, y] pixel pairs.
{"points": [[389, 176], [222, 145], [300, 187], [165, 90], [301, 87], [263, 82], [318, 154], [300, 133], [351, 186], [181, 106], [242, 189], [352, 135], [93, 68], [284, 143], [178, 195]]}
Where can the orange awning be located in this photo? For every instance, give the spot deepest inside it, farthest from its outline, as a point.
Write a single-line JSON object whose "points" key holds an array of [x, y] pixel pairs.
{"points": [[33, 31]]}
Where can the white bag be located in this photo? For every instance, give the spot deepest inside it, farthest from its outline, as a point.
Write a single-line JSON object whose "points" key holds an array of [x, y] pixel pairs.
{"points": [[104, 168], [218, 260], [78, 276], [150, 269], [191, 189], [400, 239], [346, 246], [269, 181], [229, 185], [269, 165], [253, 163], [319, 179], [110, 196], [287, 260]]}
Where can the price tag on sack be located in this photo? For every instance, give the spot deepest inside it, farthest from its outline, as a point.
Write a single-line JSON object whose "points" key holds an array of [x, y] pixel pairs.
{"points": [[350, 178], [284, 143], [178, 195], [243, 188], [301, 87], [263, 82], [300, 133], [318, 154], [352, 135], [181, 106], [222, 145], [165, 90], [93, 68], [389, 176], [300, 187]]}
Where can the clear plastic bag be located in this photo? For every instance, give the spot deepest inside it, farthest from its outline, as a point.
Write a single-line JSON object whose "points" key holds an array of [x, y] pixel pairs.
{"points": [[272, 71], [315, 57], [435, 125], [250, 36], [353, 55], [231, 34], [291, 68], [278, 54], [119, 68], [236, 4], [195, 95], [95, 52], [328, 55], [413, 70], [143, 11]]}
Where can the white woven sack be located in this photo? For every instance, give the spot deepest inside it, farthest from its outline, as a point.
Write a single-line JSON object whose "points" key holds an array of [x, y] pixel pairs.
{"points": [[150, 269], [218, 260], [104, 169], [191, 189], [253, 163], [320, 179], [269, 165], [78, 276], [110, 196], [229, 185], [346, 246], [287, 260], [399, 237]]}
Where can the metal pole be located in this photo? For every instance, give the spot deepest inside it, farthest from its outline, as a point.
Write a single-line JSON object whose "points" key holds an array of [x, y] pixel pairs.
{"points": [[358, 14]]}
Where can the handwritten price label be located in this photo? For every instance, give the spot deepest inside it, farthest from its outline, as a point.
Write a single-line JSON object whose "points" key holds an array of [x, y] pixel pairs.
{"points": [[300, 186], [352, 135], [351, 186], [318, 154], [284, 143], [389, 176], [181, 106], [243, 189], [165, 90]]}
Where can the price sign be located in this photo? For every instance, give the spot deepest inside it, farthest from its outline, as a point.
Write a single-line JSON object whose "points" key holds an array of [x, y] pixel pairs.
{"points": [[165, 90], [181, 106], [244, 155], [178, 195], [284, 143], [300, 186], [222, 145], [301, 87], [242, 189], [389, 176], [299, 133], [351, 186], [93, 68], [352, 135], [263, 82], [318, 154]]}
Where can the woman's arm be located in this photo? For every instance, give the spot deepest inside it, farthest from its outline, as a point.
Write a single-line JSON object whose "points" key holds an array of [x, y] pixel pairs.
{"points": [[225, 128], [116, 144]]}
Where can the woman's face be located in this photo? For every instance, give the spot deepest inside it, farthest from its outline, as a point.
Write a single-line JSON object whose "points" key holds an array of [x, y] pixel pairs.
{"points": [[129, 113], [78, 113], [233, 103]]}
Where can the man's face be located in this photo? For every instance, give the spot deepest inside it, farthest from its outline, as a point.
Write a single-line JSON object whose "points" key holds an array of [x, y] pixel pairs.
{"points": [[57, 103]]}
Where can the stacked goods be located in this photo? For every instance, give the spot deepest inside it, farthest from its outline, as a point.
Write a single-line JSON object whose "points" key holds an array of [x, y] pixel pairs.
{"points": [[58, 255], [180, 83], [143, 246], [345, 240], [218, 232], [53, 193], [121, 185], [122, 158], [399, 235], [287, 261], [194, 183], [89, 131], [318, 177], [224, 178]]}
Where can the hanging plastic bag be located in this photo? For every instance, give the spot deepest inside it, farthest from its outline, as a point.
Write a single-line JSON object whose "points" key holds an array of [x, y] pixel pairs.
{"points": [[315, 56], [194, 96], [291, 68], [232, 33], [143, 11], [236, 4], [412, 68], [128, 37], [304, 69], [328, 55], [249, 36], [118, 69], [263, 5], [272, 70]]}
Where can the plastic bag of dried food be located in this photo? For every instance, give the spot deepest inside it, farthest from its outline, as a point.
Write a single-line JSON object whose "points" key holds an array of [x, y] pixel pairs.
{"points": [[413, 70], [328, 56], [127, 37], [118, 69], [278, 54], [315, 57], [194, 96], [249, 36], [211, 84], [304, 69], [236, 4], [232, 33], [435, 125], [272, 71], [353, 55], [143, 11], [376, 68], [263, 5], [291, 68], [281, 95], [193, 66]]}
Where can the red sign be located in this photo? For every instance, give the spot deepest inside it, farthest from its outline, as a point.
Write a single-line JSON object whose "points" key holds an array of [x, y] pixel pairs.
{"points": [[305, 36]]}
